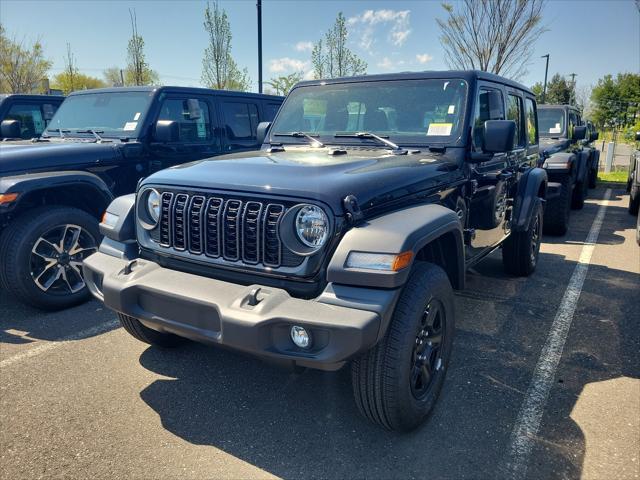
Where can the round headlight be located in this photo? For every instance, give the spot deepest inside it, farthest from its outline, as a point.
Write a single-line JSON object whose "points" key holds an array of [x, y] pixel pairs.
{"points": [[153, 205], [312, 226]]}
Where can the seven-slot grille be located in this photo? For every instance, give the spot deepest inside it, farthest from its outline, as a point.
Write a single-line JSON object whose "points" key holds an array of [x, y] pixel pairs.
{"points": [[227, 228]]}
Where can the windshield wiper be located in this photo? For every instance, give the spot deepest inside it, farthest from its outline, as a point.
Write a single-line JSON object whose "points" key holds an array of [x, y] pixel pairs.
{"points": [[60, 131], [92, 132], [312, 141], [396, 148]]}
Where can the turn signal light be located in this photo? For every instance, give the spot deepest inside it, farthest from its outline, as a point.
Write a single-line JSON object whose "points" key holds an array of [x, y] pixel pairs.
{"points": [[8, 197]]}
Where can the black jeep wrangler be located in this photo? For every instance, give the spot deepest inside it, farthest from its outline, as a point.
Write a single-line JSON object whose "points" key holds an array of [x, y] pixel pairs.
{"points": [[23, 117], [97, 146], [343, 237], [570, 165]]}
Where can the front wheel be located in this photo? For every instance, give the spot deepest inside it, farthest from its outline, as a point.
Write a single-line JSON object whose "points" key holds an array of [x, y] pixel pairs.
{"points": [[397, 382], [42, 253], [520, 251]]}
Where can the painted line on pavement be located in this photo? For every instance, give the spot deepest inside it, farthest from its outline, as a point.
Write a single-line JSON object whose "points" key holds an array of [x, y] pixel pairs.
{"points": [[45, 347], [532, 409]]}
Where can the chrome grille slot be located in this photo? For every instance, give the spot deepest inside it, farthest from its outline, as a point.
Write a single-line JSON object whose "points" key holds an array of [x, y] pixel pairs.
{"points": [[196, 208], [179, 231], [165, 225], [212, 227], [251, 224], [231, 230], [271, 244]]}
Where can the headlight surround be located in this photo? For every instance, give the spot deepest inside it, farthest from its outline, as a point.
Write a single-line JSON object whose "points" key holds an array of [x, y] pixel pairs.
{"points": [[312, 226], [149, 208]]}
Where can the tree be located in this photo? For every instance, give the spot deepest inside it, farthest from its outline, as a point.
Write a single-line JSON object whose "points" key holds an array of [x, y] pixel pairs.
{"points": [[538, 90], [559, 91], [68, 77], [219, 69], [113, 77], [138, 71], [492, 35], [283, 84], [616, 101], [332, 58], [79, 81], [22, 67]]}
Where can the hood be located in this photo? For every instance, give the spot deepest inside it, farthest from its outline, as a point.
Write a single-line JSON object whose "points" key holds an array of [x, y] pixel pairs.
{"points": [[30, 157], [553, 145], [375, 177]]}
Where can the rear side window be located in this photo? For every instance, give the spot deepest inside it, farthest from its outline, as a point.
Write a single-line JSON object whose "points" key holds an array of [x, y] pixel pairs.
{"points": [[514, 112], [32, 123], [240, 121], [270, 110], [573, 122], [192, 130], [531, 121]]}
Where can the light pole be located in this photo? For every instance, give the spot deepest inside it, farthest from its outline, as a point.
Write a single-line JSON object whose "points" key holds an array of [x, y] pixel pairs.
{"points": [[546, 71], [573, 87], [259, 7]]}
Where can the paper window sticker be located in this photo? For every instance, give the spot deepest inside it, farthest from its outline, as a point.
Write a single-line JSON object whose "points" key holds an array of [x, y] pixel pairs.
{"points": [[202, 131], [136, 116], [452, 109], [436, 129], [129, 126], [555, 130], [557, 125]]}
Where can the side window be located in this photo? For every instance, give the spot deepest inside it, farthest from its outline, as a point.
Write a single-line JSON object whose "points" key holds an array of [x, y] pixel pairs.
{"points": [[192, 130], [30, 117], [573, 121], [270, 110], [514, 112], [240, 121], [531, 120], [489, 106]]}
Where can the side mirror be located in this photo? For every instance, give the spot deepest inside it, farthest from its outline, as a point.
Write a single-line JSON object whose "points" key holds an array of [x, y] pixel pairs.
{"points": [[10, 129], [261, 133], [195, 112], [47, 111], [167, 131], [498, 136], [637, 136], [594, 136], [579, 132]]}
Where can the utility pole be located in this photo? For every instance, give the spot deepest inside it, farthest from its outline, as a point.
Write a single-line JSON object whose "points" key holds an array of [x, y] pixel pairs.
{"points": [[546, 71], [259, 7], [121, 78], [573, 88]]}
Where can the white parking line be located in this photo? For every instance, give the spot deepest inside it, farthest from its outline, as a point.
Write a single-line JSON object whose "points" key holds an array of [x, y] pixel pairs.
{"points": [[45, 347], [532, 409]]}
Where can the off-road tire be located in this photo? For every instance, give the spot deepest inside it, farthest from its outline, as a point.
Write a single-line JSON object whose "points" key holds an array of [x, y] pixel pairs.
{"points": [[579, 194], [148, 335], [557, 212], [15, 252], [520, 251], [381, 377], [593, 178], [634, 200]]}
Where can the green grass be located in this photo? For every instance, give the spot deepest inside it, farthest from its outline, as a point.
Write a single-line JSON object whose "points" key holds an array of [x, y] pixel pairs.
{"points": [[613, 177]]}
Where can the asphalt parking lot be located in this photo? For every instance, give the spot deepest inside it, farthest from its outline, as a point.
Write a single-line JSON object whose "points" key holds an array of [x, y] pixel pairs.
{"points": [[80, 398]]}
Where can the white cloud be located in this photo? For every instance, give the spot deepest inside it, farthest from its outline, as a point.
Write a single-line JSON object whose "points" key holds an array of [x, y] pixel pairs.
{"points": [[388, 64], [286, 64], [423, 58], [304, 46], [365, 25]]}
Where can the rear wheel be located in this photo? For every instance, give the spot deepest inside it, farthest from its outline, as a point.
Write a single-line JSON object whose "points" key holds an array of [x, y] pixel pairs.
{"points": [[42, 253], [558, 210], [579, 194], [520, 251], [147, 335], [397, 382]]}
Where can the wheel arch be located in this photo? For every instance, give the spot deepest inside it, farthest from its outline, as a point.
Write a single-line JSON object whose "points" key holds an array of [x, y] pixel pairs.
{"points": [[532, 185]]}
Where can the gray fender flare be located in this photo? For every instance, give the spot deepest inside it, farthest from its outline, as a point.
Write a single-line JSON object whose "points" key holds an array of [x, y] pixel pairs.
{"points": [[528, 191], [562, 162], [404, 230]]}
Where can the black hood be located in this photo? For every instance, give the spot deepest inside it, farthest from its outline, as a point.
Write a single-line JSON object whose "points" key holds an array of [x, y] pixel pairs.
{"points": [[375, 177], [554, 145], [30, 157]]}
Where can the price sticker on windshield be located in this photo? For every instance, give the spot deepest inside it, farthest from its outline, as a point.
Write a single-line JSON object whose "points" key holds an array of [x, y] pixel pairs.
{"points": [[439, 129], [130, 126]]}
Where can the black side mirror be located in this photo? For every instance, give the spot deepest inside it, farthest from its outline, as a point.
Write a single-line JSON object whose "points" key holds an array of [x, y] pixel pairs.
{"points": [[594, 136], [195, 112], [47, 111], [262, 130], [498, 136], [167, 131], [579, 132], [10, 129]]}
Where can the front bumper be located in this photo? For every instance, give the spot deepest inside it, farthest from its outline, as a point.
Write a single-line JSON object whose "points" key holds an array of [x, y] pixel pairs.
{"points": [[340, 321]]}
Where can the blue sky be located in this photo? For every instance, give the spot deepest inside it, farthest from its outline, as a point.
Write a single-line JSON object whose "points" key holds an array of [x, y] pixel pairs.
{"points": [[590, 38]]}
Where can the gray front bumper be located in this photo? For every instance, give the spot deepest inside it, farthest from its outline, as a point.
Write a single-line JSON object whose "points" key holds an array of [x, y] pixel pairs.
{"points": [[343, 321]]}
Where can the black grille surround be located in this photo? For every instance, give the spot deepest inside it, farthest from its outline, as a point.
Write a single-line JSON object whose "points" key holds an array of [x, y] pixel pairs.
{"points": [[222, 228]]}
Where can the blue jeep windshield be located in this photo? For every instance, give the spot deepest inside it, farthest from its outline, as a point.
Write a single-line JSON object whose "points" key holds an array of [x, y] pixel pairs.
{"points": [[113, 114], [407, 112], [551, 121]]}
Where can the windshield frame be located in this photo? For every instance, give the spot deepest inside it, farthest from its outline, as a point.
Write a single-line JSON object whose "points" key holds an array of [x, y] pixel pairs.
{"points": [[455, 139], [52, 128], [545, 132]]}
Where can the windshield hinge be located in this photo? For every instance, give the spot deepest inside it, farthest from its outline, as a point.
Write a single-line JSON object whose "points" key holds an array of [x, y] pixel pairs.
{"points": [[352, 209]]}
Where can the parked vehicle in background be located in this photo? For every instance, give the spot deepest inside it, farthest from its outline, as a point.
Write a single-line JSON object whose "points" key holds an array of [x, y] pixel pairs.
{"points": [[633, 180], [343, 238], [98, 145], [567, 162], [23, 117], [591, 135]]}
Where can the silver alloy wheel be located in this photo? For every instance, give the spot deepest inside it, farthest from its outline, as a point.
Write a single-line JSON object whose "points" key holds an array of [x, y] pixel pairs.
{"points": [[56, 259]]}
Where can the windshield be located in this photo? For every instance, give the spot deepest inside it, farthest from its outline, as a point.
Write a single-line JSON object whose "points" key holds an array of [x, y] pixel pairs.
{"points": [[409, 112], [551, 121], [118, 114]]}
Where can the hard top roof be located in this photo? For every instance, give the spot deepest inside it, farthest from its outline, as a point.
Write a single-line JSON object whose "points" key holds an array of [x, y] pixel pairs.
{"points": [[166, 88]]}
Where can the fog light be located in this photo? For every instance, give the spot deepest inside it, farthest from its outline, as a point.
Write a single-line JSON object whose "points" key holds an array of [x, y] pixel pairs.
{"points": [[300, 337]]}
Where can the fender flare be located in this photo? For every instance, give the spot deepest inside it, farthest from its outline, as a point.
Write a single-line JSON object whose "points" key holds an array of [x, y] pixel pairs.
{"points": [[33, 182], [528, 188], [583, 166], [404, 230], [561, 162]]}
